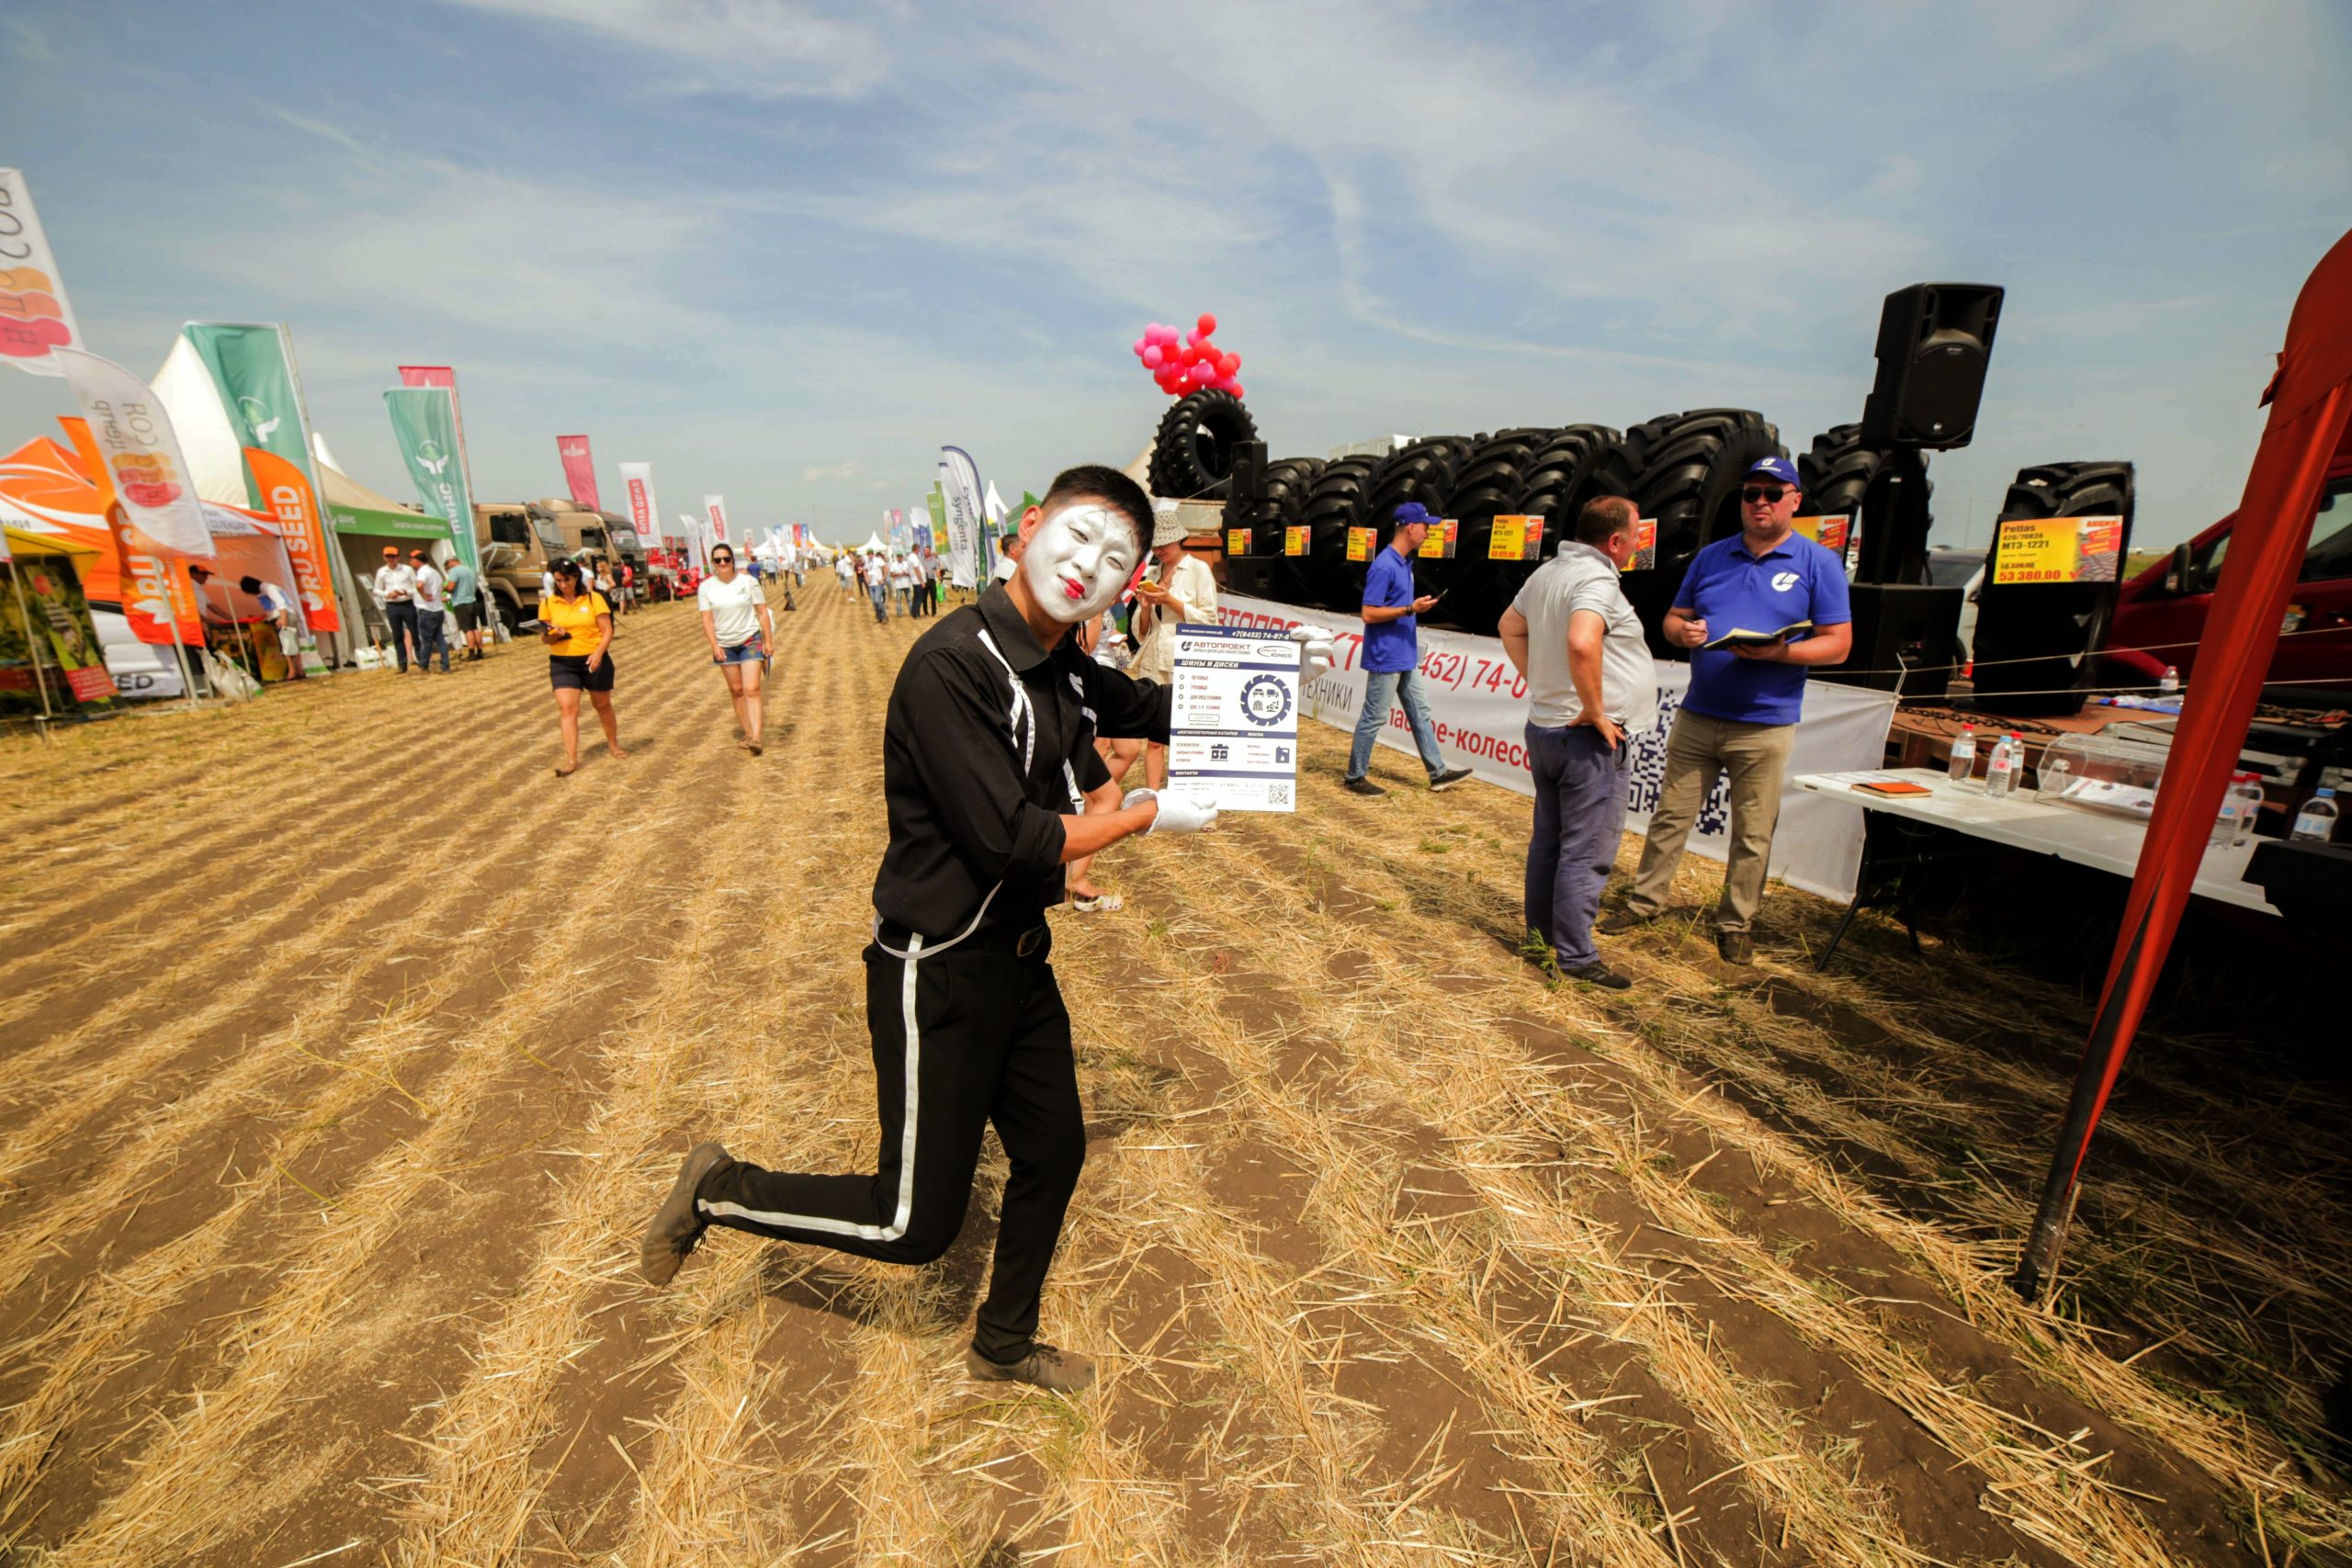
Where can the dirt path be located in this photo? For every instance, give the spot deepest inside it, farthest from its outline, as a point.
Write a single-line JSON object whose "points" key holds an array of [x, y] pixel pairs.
{"points": [[342, 1050]]}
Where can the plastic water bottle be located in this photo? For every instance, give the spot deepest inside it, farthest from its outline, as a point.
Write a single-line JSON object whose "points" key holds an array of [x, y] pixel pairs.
{"points": [[1963, 755], [2001, 772], [2315, 823], [2248, 787], [2169, 682]]}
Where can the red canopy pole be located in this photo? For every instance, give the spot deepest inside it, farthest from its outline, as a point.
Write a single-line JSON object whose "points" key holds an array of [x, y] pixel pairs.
{"points": [[2310, 401]]}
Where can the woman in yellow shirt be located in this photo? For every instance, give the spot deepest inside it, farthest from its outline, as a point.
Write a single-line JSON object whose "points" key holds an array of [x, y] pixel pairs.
{"points": [[577, 626]]}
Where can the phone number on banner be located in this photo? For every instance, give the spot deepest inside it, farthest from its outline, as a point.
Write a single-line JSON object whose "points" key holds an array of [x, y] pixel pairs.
{"points": [[1473, 672]]}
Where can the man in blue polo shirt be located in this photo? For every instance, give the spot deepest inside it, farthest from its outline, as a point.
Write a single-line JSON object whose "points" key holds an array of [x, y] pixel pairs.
{"points": [[1392, 654], [1739, 715]]}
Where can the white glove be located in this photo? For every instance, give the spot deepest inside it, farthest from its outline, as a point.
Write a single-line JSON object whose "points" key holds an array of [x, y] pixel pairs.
{"points": [[1314, 649], [1177, 812]]}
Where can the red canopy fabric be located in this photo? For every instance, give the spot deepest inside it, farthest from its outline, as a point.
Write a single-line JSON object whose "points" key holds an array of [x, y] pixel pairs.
{"points": [[2309, 401]]}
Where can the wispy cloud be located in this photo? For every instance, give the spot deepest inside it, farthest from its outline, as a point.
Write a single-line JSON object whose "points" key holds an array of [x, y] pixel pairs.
{"points": [[848, 471], [759, 49]]}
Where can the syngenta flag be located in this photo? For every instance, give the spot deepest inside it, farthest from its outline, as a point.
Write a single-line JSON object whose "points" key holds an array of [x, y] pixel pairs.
{"points": [[959, 486], [643, 510], [579, 469], [36, 319], [425, 422], [713, 507], [254, 376], [141, 452]]}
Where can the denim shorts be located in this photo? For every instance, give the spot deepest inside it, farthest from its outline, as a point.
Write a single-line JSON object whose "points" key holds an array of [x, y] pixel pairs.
{"points": [[750, 652]]}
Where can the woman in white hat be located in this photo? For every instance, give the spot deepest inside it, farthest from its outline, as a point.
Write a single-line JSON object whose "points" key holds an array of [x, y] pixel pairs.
{"points": [[1179, 590]]}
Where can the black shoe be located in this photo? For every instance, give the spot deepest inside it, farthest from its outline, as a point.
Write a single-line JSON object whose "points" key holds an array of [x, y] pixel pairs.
{"points": [[1734, 947], [677, 1227], [1063, 1372], [1620, 920], [1362, 786], [1451, 777], [1598, 974]]}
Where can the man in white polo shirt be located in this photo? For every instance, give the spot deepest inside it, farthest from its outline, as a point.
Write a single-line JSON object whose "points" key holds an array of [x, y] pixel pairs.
{"points": [[1589, 682]]}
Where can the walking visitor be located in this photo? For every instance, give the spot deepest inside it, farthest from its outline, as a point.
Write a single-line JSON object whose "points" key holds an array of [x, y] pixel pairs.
{"points": [[1392, 655], [577, 626], [737, 620]]}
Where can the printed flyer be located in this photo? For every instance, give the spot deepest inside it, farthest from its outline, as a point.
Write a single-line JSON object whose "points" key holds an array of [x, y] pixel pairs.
{"points": [[1233, 739]]}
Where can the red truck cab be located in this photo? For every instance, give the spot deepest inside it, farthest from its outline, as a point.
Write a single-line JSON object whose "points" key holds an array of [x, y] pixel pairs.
{"points": [[2160, 614]]}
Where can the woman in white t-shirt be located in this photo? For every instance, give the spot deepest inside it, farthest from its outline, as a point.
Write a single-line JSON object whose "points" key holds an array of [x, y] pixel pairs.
{"points": [[736, 618]]}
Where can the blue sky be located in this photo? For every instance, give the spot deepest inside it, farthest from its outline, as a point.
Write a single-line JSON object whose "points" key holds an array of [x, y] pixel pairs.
{"points": [[783, 251]]}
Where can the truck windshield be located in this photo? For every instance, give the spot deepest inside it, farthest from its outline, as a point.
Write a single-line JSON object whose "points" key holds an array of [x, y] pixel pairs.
{"points": [[551, 536], [2329, 554]]}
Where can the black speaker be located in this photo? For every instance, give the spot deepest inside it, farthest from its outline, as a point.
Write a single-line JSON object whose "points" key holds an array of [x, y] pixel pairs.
{"points": [[1905, 638], [1934, 341], [1248, 478]]}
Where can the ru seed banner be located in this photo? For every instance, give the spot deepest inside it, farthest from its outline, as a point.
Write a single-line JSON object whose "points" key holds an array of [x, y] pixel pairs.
{"points": [[287, 495], [425, 422], [254, 376]]}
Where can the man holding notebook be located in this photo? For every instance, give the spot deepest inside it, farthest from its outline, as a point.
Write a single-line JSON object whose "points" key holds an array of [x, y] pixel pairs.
{"points": [[1756, 610]]}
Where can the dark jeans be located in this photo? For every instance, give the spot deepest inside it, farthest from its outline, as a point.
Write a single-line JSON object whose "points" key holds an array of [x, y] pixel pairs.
{"points": [[985, 1038], [881, 596], [402, 613], [1579, 815], [432, 636]]}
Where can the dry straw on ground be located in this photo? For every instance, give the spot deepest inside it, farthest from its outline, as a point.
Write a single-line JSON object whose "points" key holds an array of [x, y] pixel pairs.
{"points": [[342, 1050]]}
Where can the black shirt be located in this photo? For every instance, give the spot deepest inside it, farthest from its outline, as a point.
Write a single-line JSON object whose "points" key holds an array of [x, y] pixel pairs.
{"points": [[989, 739]]}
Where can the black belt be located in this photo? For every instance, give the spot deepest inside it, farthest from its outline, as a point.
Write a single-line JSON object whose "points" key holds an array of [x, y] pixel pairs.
{"points": [[1009, 936]]}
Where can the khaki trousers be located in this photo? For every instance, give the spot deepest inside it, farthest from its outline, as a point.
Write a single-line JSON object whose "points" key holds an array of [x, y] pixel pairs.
{"points": [[1697, 748]]}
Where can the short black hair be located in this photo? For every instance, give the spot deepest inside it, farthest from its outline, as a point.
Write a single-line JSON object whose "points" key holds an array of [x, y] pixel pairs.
{"points": [[1094, 481], [249, 584], [1604, 515]]}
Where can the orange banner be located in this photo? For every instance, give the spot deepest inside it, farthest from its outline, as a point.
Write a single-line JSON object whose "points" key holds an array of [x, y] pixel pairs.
{"points": [[286, 494], [155, 590]]}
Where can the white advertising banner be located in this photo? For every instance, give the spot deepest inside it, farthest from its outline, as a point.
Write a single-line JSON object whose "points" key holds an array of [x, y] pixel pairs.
{"points": [[644, 512], [36, 319], [1234, 740], [959, 487], [144, 465], [1479, 705], [715, 509]]}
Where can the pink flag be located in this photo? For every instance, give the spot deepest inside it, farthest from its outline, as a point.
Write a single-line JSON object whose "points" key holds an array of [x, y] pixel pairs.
{"points": [[579, 469]]}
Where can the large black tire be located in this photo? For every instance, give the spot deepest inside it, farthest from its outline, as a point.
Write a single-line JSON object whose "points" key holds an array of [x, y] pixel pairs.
{"points": [[1418, 471], [1191, 456], [2037, 643], [1341, 500], [1683, 469], [1842, 474], [1488, 481], [1557, 476], [1264, 571]]}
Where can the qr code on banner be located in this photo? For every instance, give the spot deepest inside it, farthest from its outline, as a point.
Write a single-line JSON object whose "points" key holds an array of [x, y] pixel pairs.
{"points": [[1646, 775], [1278, 794]]}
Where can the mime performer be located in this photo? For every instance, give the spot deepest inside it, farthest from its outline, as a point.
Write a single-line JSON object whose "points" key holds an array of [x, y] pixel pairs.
{"points": [[987, 749]]}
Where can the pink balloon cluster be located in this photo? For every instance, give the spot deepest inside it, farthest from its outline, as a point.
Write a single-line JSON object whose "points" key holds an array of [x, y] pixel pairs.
{"points": [[1186, 362]]}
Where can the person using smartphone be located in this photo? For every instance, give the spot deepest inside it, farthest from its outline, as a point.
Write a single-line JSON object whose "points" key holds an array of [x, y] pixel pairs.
{"points": [[576, 623], [1182, 592], [1392, 656]]}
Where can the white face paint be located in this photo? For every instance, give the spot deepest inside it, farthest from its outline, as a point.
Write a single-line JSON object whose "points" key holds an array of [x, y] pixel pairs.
{"points": [[1078, 559]]}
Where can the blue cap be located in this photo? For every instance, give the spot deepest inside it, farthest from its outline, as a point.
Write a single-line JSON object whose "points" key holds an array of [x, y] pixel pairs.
{"points": [[1414, 512], [1779, 469]]}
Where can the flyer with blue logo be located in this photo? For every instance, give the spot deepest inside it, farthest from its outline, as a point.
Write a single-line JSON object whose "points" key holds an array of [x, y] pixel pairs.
{"points": [[1234, 735]]}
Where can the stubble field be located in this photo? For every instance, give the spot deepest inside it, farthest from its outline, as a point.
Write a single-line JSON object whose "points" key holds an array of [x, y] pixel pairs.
{"points": [[343, 1052]]}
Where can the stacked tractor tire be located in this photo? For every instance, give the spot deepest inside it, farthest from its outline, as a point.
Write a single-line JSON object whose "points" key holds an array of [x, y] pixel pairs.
{"points": [[1682, 469], [2036, 642]]}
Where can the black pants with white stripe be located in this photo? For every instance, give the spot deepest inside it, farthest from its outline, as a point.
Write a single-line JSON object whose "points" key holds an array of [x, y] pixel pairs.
{"points": [[961, 1039]]}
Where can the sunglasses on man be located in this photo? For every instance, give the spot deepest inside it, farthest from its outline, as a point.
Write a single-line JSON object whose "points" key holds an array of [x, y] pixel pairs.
{"points": [[1770, 495]]}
